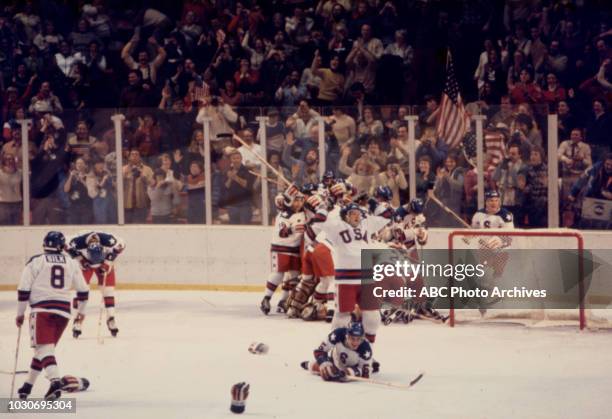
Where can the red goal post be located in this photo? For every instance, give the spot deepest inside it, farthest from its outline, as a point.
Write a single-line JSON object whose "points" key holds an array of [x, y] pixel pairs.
{"points": [[568, 236]]}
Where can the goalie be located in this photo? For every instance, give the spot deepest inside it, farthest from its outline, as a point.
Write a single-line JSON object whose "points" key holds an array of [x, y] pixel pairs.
{"points": [[493, 215], [345, 352]]}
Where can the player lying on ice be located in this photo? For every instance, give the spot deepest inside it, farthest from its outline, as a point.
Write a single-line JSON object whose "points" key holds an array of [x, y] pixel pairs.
{"points": [[345, 352]]}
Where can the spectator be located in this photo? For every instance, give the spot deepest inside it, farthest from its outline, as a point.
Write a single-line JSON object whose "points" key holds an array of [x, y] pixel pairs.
{"points": [[47, 170], [565, 118], [575, 157], [147, 137], [45, 101], [394, 178], [369, 127], [101, 190], [429, 117], [148, 68], [331, 87], [362, 175], [250, 152], [525, 90], [135, 95], [195, 193], [291, 91], [505, 177], [136, 178], [366, 41], [80, 142], [275, 132], [222, 116], [553, 93], [525, 134], [237, 191], [10, 191], [449, 190], [534, 186], [302, 171], [425, 177], [82, 37], [598, 182], [598, 129], [48, 40], [343, 126], [80, 209], [162, 194], [362, 68]]}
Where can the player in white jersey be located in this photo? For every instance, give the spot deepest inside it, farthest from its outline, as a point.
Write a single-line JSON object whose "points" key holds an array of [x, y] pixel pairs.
{"points": [[285, 252], [348, 235], [493, 215], [344, 352], [46, 284], [97, 252]]}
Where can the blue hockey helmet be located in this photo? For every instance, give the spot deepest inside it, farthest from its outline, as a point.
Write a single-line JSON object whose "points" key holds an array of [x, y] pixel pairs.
{"points": [[384, 193], [348, 208], [355, 329], [416, 205], [328, 178], [54, 241], [309, 188], [95, 253]]}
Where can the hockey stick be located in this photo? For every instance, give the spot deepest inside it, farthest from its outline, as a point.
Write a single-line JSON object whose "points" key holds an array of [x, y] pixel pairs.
{"points": [[16, 358], [380, 382], [265, 178], [100, 337], [264, 161], [386, 383], [11, 372], [433, 197]]}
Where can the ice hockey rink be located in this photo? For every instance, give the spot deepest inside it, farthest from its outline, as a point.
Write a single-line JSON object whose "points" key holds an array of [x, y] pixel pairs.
{"points": [[179, 352]]}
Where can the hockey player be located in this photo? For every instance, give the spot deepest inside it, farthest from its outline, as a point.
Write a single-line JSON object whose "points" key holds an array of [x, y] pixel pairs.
{"points": [[493, 215], [97, 252], [348, 234], [45, 284], [410, 231], [285, 252], [381, 203], [343, 353], [317, 265]]}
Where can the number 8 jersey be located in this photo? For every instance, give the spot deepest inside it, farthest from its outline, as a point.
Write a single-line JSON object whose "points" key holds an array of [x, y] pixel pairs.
{"points": [[47, 281]]}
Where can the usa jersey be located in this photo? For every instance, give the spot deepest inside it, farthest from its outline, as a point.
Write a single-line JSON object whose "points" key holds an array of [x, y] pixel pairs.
{"points": [[335, 349], [502, 219], [111, 245], [285, 237], [347, 242], [47, 281]]}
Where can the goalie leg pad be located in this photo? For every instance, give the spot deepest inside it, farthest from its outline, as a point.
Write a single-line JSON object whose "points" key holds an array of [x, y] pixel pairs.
{"points": [[302, 292]]}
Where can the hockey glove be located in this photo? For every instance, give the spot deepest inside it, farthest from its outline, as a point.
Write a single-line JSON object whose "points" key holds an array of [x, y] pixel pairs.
{"points": [[240, 392]]}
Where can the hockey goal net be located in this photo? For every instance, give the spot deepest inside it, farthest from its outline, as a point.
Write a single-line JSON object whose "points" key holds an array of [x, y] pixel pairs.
{"points": [[521, 250]]}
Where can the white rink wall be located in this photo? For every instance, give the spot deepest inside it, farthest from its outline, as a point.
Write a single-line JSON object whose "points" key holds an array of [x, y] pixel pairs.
{"points": [[188, 254]]}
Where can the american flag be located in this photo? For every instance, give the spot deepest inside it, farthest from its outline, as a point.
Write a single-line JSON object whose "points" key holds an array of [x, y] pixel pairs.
{"points": [[454, 121]]}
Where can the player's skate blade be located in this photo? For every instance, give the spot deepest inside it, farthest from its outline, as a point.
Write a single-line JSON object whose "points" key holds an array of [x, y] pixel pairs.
{"points": [[112, 326], [24, 391], [265, 305], [55, 390]]}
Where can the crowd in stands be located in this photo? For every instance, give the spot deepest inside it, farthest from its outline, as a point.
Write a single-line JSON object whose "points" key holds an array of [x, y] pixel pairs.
{"points": [[356, 67]]}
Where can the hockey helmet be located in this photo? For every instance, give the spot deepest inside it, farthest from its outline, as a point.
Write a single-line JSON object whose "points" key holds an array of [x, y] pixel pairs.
{"points": [[416, 205], [54, 241], [384, 193], [348, 208], [95, 253], [309, 188], [328, 178], [492, 194], [355, 328]]}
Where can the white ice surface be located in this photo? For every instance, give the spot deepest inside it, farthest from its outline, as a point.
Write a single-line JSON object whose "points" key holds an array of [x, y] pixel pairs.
{"points": [[178, 353]]}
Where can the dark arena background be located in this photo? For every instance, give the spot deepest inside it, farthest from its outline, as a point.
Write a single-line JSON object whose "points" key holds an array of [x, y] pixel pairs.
{"points": [[216, 167]]}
